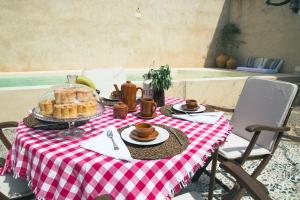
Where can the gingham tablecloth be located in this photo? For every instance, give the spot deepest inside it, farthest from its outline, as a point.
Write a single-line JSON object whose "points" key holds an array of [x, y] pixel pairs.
{"points": [[59, 168]]}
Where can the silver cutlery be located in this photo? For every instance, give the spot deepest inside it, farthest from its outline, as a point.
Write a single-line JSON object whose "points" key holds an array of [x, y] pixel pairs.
{"points": [[171, 111], [177, 137], [199, 114], [111, 136]]}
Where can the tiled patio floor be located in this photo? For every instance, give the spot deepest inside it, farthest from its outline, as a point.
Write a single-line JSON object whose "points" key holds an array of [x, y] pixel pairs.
{"points": [[281, 176]]}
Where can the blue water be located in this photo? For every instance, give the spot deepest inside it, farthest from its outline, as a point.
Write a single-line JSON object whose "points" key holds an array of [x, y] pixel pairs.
{"points": [[31, 81], [22, 81]]}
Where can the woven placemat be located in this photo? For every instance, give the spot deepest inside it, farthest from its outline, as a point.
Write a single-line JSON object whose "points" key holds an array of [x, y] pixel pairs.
{"points": [[32, 122], [169, 111], [167, 149]]}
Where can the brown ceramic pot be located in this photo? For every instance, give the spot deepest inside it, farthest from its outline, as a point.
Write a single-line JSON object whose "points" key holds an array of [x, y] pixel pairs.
{"points": [[231, 63], [221, 60], [129, 91], [120, 110]]}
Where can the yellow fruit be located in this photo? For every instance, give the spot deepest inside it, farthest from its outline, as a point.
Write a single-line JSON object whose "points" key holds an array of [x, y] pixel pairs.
{"points": [[85, 81]]}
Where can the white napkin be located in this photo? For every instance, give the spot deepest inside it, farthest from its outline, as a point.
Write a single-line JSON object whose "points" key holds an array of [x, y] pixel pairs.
{"points": [[103, 145], [207, 118]]}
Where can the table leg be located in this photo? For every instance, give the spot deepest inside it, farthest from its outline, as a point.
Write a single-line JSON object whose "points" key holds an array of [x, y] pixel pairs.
{"points": [[212, 175]]}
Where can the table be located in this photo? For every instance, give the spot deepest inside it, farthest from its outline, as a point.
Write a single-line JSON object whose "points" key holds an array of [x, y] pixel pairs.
{"points": [[59, 168]]}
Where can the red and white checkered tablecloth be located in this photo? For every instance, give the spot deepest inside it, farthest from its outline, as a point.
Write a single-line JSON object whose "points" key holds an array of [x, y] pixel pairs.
{"points": [[60, 169]]}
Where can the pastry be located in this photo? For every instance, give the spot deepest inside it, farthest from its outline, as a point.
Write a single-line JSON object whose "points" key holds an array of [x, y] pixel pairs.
{"points": [[46, 107], [82, 109], [65, 111], [72, 110], [93, 107], [57, 111], [84, 94], [64, 95], [69, 103], [87, 108]]}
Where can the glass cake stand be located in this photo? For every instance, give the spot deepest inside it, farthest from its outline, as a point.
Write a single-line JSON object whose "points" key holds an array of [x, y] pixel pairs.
{"points": [[72, 131]]}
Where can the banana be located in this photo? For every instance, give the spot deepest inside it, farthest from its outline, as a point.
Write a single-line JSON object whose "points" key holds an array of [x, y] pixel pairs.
{"points": [[85, 81]]}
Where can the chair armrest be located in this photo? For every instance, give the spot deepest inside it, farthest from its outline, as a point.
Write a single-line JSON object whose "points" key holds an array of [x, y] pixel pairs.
{"points": [[259, 127], [9, 124], [221, 108], [254, 187]]}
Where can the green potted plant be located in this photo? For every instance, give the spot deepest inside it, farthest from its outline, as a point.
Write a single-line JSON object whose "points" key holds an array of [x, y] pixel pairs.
{"points": [[160, 81], [228, 40]]}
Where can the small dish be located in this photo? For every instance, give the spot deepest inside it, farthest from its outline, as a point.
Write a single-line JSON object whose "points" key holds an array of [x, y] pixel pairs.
{"points": [[178, 107], [184, 107], [152, 136], [143, 130], [163, 135], [139, 115]]}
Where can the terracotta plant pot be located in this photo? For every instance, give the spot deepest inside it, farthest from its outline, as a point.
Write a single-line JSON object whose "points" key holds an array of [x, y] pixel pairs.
{"points": [[231, 63], [221, 60]]}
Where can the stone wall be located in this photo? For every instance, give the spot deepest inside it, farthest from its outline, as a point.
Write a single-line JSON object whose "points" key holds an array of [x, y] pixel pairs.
{"points": [[268, 31], [76, 34]]}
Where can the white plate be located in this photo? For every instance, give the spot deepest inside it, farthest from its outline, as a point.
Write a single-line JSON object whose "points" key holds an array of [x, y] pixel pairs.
{"points": [[178, 108], [163, 135]]}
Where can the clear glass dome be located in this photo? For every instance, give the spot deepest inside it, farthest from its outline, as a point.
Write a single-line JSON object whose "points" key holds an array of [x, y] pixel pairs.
{"points": [[69, 102]]}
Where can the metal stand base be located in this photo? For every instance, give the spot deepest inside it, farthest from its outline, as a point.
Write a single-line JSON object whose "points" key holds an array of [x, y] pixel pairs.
{"points": [[73, 132]]}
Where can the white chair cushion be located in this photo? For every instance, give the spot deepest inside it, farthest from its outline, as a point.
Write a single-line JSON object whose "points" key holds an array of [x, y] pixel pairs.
{"points": [[14, 188], [265, 102], [235, 146], [104, 78], [189, 196]]}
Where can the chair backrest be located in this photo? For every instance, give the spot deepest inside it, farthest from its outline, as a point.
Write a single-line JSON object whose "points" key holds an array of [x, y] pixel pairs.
{"points": [[265, 102], [104, 78]]}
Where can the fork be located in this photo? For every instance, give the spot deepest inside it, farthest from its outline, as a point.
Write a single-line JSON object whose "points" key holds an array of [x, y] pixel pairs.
{"points": [[110, 135]]}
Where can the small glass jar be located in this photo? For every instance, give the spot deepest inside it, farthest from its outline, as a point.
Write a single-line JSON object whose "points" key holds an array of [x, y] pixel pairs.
{"points": [[148, 91]]}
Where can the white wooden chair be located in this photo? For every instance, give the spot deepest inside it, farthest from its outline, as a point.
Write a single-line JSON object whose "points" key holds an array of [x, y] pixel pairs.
{"points": [[105, 78], [259, 121]]}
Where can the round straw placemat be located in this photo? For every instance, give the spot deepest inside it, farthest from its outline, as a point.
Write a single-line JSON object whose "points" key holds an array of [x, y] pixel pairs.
{"points": [[168, 110], [32, 122], [167, 149]]}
